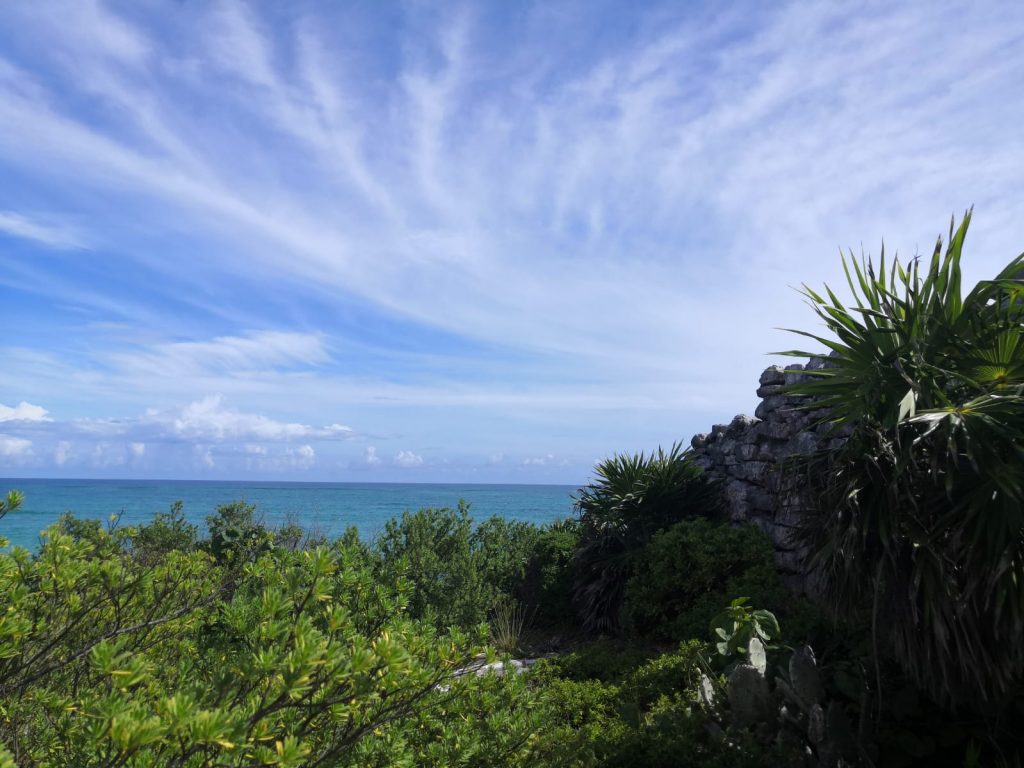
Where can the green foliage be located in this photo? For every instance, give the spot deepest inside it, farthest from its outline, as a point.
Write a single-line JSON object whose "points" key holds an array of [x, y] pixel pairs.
{"points": [[168, 532], [632, 498], [13, 501], [690, 570], [509, 618], [647, 715], [605, 660], [434, 549], [235, 536], [462, 572], [547, 581], [921, 513], [503, 549], [289, 658], [739, 624]]}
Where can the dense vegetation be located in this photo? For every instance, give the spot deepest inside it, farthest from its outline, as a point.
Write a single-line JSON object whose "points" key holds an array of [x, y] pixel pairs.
{"points": [[664, 633]]}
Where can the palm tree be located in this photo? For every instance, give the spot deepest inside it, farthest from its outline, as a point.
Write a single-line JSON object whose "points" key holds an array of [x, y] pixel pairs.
{"points": [[920, 516], [632, 498]]}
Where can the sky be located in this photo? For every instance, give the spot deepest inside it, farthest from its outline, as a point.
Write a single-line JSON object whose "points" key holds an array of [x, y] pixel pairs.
{"points": [[479, 242]]}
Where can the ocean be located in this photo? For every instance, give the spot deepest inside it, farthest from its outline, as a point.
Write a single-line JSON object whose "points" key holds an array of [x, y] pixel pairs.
{"points": [[329, 508]]}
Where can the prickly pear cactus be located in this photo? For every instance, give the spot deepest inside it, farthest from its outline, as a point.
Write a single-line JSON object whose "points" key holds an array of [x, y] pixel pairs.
{"points": [[793, 710]]}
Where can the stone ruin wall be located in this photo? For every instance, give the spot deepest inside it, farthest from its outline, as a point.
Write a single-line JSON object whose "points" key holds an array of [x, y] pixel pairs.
{"points": [[745, 454]]}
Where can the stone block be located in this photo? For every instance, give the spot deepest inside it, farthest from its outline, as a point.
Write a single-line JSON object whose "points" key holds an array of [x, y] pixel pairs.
{"points": [[740, 424], [767, 390], [777, 430], [775, 374], [752, 471], [761, 501], [770, 404], [747, 451], [804, 442]]}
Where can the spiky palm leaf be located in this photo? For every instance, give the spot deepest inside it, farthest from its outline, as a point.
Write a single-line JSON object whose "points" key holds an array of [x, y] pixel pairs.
{"points": [[632, 498], [920, 514]]}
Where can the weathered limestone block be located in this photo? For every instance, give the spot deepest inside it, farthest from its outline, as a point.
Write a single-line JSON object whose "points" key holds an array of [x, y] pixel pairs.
{"points": [[775, 374], [740, 424], [747, 452], [752, 471], [770, 404]]}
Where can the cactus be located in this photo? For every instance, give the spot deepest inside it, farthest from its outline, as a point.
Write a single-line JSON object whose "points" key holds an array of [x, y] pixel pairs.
{"points": [[791, 710]]}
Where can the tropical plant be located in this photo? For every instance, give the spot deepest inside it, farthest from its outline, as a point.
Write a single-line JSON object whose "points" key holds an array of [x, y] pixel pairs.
{"points": [[739, 626], [235, 535], [690, 570], [509, 618], [547, 580], [433, 548], [632, 498], [169, 531], [12, 502], [309, 658], [920, 515]]}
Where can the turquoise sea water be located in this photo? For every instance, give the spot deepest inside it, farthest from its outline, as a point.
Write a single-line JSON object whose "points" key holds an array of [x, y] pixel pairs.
{"points": [[328, 507]]}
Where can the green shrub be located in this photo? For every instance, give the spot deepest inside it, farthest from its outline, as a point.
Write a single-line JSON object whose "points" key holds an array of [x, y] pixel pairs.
{"points": [[235, 536], [434, 549], [503, 550], [462, 572], [547, 583], [581, 723], [169, 531], [307, 659], [649, 715], [608, 661], [689, 571], [632, 498]]}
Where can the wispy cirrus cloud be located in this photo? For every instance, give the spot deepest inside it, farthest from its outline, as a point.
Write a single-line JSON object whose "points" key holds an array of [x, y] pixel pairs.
{"points": [[477, 225], [260, 351], [47, 234]]}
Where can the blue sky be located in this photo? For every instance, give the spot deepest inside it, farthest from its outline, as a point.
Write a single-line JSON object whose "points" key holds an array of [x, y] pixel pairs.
{"points": [[488, 242]]}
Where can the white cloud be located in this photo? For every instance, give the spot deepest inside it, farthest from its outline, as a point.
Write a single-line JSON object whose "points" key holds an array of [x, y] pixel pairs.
{"points": [[204, 455], [210, 421], [302, 456], [61, 453], [23, 412], [138, 450], [49, 235], [538, 460], [371, 458], [408, 459], [14, 447]]}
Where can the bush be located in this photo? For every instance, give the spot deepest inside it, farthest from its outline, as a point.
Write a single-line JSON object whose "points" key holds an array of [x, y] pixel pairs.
{"points": [[235, 536], [690, 570], [307, 659], [462, 572], [502, 550], [632, 499], [434, 549], [646, 715], [547, 583], [168, 532]]}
